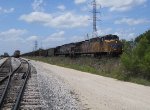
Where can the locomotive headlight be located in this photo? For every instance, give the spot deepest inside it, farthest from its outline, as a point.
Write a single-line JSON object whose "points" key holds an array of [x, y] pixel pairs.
{"points": [[116, 42]]}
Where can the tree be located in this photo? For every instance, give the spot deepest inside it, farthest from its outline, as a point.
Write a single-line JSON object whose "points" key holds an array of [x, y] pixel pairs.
{"points": [[137, 59]]}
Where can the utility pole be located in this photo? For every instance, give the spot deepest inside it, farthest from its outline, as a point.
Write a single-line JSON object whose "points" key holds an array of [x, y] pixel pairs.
{"points": [[95, 34], [87, 36], [35, 45], [41, 45], [94, 16]]}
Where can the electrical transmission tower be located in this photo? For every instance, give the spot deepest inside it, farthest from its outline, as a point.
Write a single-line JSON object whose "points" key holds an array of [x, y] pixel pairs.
{"points": [[41, 45], [95, 34], [35, 45]]}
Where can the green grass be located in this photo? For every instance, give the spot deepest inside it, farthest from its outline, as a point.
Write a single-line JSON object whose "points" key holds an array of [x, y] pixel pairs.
{"points": [[140, 81], [109, 67]]}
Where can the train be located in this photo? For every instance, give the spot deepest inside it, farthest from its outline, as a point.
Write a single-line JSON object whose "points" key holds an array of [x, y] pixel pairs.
{"points": [[16, 54], [104, 45]]}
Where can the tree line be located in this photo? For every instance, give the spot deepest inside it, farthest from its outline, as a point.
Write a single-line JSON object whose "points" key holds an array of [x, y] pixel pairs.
{"points": [[136, 56]]}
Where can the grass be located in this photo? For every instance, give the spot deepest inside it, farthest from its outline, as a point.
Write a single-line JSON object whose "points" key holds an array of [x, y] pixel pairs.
{"points": [[109, 67]]}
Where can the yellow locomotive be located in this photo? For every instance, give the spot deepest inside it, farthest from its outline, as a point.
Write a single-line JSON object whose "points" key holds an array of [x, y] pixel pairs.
{"points": [[109, 44]]}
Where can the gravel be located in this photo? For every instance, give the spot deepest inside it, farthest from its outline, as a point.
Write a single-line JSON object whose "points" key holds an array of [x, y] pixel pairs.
{"points": [[15, 63], [56, 93], [95, 92]]}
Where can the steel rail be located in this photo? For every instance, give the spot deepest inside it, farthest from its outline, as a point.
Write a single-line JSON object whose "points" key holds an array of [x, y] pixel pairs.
{"points": [[4, 63], [18, 100], [5, 90], [1, 81], [8, 82], [9, 70]]}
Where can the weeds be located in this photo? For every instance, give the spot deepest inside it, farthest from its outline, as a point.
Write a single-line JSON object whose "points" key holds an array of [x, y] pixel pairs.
{"points": [[109, 67]]}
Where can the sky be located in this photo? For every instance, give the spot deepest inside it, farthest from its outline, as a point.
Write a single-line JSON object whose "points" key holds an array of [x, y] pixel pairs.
{"points": [[55, 22]]}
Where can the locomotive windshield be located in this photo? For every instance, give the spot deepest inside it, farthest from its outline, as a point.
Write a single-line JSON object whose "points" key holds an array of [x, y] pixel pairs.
{"points": [[111, 37]]}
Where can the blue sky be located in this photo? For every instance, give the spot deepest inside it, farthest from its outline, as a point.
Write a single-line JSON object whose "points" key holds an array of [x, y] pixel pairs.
{"points": [[55, 22]]}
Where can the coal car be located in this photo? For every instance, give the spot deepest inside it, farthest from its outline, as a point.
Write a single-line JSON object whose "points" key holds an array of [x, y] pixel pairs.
{"points": [[103, 45]]}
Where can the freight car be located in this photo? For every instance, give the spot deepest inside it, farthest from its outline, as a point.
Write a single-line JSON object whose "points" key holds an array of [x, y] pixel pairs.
{"points": [[41, 52], [66, 49], [105, 45], [50, 52]]}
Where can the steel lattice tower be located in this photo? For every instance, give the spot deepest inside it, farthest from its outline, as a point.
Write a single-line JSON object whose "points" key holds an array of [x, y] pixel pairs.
{"points": [[94, 16], [36, 45], [95, 34]]}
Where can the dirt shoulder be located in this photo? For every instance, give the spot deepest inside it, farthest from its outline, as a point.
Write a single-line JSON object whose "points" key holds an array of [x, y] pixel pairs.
{"points": [[102, 93]]}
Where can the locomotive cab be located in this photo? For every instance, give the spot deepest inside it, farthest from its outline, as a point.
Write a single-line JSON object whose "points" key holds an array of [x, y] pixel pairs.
{"points": [[112, 44]]}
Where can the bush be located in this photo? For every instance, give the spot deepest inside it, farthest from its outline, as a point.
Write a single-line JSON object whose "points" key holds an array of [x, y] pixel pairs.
{"points": [[137, 60]]}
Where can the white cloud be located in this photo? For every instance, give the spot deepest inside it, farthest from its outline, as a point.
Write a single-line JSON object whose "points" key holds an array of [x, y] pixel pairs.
{"points": [[61, 7], [2, 10], [120, 5], [16, 39], [12, 34], [105, 31], [84, 8], [131, 21], [40, 17], [55, 39], [32, 38], [79, 1], [62, 20], [76, 38], [117, 5], [127, 34], [37, 5], [59, 36]]}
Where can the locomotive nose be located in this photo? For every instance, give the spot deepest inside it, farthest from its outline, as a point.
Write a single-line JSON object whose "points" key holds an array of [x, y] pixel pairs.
{"points": [[115, 46]]}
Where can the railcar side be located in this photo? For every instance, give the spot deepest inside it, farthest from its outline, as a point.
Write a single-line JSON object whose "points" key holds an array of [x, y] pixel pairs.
{"points": [[109, 44]]}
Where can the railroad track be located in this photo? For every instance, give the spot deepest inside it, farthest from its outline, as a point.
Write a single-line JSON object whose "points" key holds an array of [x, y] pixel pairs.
{"points": [[32, 99], [12, 84], [5, 69]]}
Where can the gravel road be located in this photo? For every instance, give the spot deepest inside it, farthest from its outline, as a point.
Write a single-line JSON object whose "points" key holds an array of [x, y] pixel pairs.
{"points": [[70, 89], [55, 92]]}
